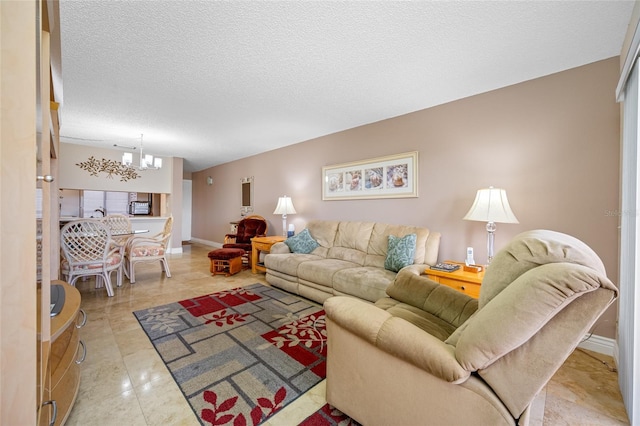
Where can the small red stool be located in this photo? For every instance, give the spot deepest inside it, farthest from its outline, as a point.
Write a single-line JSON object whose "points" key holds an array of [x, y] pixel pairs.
{"points": [[226, 261]]}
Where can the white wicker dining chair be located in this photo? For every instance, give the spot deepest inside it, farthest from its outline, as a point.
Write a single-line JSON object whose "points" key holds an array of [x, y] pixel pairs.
{"points": [[88, 249], [148, 249], [119, 225]]}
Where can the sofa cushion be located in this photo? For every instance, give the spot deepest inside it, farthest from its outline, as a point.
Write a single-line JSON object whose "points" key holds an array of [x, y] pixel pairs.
{"points": [[413, 288], [347, 254], [287, 263], [323, 231], [351, 242], [426, 321], [322, 271], [367, 282], [354, 235], [400, 252], [426, 244], [302, 243]]}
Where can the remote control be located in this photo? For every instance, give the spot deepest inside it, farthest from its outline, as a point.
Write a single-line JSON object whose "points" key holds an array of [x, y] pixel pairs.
{"points": [[447, 267]]}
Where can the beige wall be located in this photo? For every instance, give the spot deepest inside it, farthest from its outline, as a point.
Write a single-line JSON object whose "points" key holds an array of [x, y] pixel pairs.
{"points": [[73, 177], [552, 143], [167, 180]]}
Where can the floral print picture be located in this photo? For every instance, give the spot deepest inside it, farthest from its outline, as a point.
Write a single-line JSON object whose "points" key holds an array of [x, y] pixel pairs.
{"points": [[394, 176]]}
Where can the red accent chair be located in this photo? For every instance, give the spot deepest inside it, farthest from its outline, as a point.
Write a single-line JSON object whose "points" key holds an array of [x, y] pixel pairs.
{"points": [[249, 227]]}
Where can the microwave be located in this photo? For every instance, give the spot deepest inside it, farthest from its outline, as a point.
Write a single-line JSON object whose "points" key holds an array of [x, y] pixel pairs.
{"points": [[139, 207]]}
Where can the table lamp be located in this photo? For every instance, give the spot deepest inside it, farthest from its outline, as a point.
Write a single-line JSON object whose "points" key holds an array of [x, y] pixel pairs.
{"points": [[491, 206], [284, 207]]}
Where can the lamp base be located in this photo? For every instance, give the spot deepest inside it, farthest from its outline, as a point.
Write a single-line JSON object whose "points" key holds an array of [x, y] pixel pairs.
{"points": [[284, 225], [491, 229]]}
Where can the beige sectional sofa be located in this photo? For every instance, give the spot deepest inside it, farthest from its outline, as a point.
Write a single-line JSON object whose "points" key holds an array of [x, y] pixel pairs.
{"points": [[429, 355], [349, 260]]}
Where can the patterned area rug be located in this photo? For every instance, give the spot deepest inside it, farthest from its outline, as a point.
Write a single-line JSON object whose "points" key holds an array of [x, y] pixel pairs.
{"points": [[329, 416], [240, 355]]}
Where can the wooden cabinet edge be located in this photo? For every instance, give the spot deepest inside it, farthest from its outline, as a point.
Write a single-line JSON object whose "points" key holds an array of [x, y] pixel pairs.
{"points": [[69, 312], [65, 377], [66, 392]]}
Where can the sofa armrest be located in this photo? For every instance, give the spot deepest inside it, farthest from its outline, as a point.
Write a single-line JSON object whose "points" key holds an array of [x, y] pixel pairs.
{"points": [[395, 336], [417, 290], [416, 269], [279, 248]]}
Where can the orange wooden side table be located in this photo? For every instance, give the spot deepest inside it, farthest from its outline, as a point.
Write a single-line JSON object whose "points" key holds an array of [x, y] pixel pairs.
{"points": [[259, 245], [461, 280]]}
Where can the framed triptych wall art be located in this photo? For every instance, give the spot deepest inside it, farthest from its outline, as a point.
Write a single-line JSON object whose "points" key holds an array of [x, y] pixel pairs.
{"points": [[393, 176]]}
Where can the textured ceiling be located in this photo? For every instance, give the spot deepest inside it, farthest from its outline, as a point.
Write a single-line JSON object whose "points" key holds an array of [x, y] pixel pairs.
{"points": [[215, 81]]}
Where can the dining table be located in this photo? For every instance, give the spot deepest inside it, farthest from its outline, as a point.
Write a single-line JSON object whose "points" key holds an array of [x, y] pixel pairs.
{"points": [[122, 238]]}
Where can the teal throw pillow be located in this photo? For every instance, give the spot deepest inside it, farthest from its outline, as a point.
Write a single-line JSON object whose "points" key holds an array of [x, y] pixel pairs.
{"points": [[400, 251], [302, 243]]}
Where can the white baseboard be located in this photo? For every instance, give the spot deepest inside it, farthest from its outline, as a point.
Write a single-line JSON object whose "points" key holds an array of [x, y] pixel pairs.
{"points": [[175, 250], [602, 345], [206, 242]]}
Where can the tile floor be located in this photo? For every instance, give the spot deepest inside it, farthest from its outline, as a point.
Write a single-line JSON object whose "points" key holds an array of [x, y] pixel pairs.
{"points": [[124, 382]]}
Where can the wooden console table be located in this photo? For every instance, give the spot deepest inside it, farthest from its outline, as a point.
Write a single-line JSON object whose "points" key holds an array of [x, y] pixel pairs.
{"points": [[259, 245]]}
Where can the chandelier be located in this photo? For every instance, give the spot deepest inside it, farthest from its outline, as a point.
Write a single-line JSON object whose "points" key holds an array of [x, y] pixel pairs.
{"points": [[147, 162]]}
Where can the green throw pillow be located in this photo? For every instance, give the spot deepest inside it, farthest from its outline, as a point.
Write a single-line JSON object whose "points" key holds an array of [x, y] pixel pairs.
{"points": [[302, 243], [400, 252]]}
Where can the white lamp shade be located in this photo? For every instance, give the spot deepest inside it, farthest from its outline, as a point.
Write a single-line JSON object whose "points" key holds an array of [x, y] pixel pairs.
{"points": [[285, 206], [491, 205], [127, 158], [146, 161]]}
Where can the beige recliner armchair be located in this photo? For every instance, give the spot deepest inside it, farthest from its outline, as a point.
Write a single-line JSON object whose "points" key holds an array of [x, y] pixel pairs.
{"points": [[428, 355]]}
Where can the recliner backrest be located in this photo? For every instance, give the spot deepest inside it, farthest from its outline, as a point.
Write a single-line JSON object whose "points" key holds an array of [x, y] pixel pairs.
{"points": [[250, 227], [529, 250], [543, 292]]}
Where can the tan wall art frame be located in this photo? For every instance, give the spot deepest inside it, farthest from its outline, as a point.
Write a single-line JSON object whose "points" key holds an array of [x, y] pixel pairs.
{"points": [[393, 176]]}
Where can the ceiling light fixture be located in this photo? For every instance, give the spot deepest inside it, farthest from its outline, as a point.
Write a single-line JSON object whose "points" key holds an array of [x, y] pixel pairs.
{"points": [[147, 162]]}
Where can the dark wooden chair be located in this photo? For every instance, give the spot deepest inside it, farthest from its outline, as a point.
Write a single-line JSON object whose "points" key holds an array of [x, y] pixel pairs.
{"points": [[249, 227]]}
